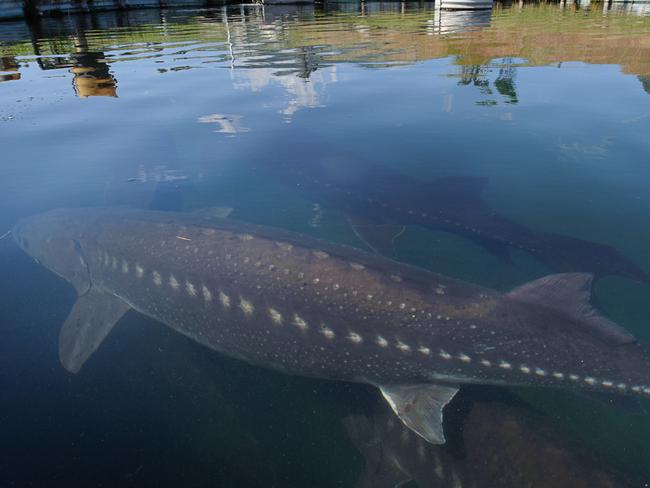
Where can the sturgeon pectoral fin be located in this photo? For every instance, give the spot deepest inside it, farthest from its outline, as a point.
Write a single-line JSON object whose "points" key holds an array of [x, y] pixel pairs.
{"points": [[89, 322], [420, 407]]}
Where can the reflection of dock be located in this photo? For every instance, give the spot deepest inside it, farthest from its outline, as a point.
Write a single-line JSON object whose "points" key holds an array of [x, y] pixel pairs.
{"points": [[10, 9], [450, 21], [465, 4], [39, 8], [410, 33], [637, 8]]}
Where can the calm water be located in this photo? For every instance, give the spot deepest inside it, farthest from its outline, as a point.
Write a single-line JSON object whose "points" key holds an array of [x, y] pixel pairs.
{"points": [[530, 122]]}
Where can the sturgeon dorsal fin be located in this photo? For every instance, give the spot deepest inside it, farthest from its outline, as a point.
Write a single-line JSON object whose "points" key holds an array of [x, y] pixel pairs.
{"points": [[89, 322], [420, 407], [569, 294]]}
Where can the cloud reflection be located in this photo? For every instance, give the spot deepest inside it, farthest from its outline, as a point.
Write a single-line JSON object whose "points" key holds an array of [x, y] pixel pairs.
{"points": [[301, 92], [225, 123]]}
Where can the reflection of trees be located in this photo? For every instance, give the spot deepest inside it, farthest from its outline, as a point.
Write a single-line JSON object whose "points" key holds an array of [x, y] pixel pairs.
{"points": [[257, 41], [645, 83], [505, 82], [381, 34], [289, 40], [243, 31], [308, 61], [478, 75]]}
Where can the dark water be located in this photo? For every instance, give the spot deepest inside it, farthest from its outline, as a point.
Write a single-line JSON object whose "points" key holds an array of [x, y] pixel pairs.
{"points": [[529, 122]]}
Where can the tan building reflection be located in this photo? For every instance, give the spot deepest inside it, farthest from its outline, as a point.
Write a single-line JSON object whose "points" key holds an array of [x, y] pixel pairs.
{"points": [[9, 69], [91, 75]]}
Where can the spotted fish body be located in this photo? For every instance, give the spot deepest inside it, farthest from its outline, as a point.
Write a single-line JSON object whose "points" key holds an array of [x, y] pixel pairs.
{"points": [[311, 308]]}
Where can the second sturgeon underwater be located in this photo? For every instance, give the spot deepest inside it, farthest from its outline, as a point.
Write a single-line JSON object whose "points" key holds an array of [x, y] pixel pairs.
{"points": [[312, 308]]}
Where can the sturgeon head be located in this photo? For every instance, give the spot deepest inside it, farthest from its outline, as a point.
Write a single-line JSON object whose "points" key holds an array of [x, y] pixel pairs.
{"points": [[53, 239]]}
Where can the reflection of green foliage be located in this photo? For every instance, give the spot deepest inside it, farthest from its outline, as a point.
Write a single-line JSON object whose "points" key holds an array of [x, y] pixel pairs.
{"points": [[506, 87], [645, 82], [387, 37], [308, 60], [505, 83], [475, 75]]}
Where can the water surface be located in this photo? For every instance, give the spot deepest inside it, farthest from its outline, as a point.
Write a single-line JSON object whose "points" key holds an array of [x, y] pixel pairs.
{"points": [[548, 105]]}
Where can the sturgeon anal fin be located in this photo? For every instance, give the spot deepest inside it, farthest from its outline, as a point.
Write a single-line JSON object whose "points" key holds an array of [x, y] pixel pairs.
{"points": [[89, 322], [569, 293], [420, 407], [380, 238]]}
